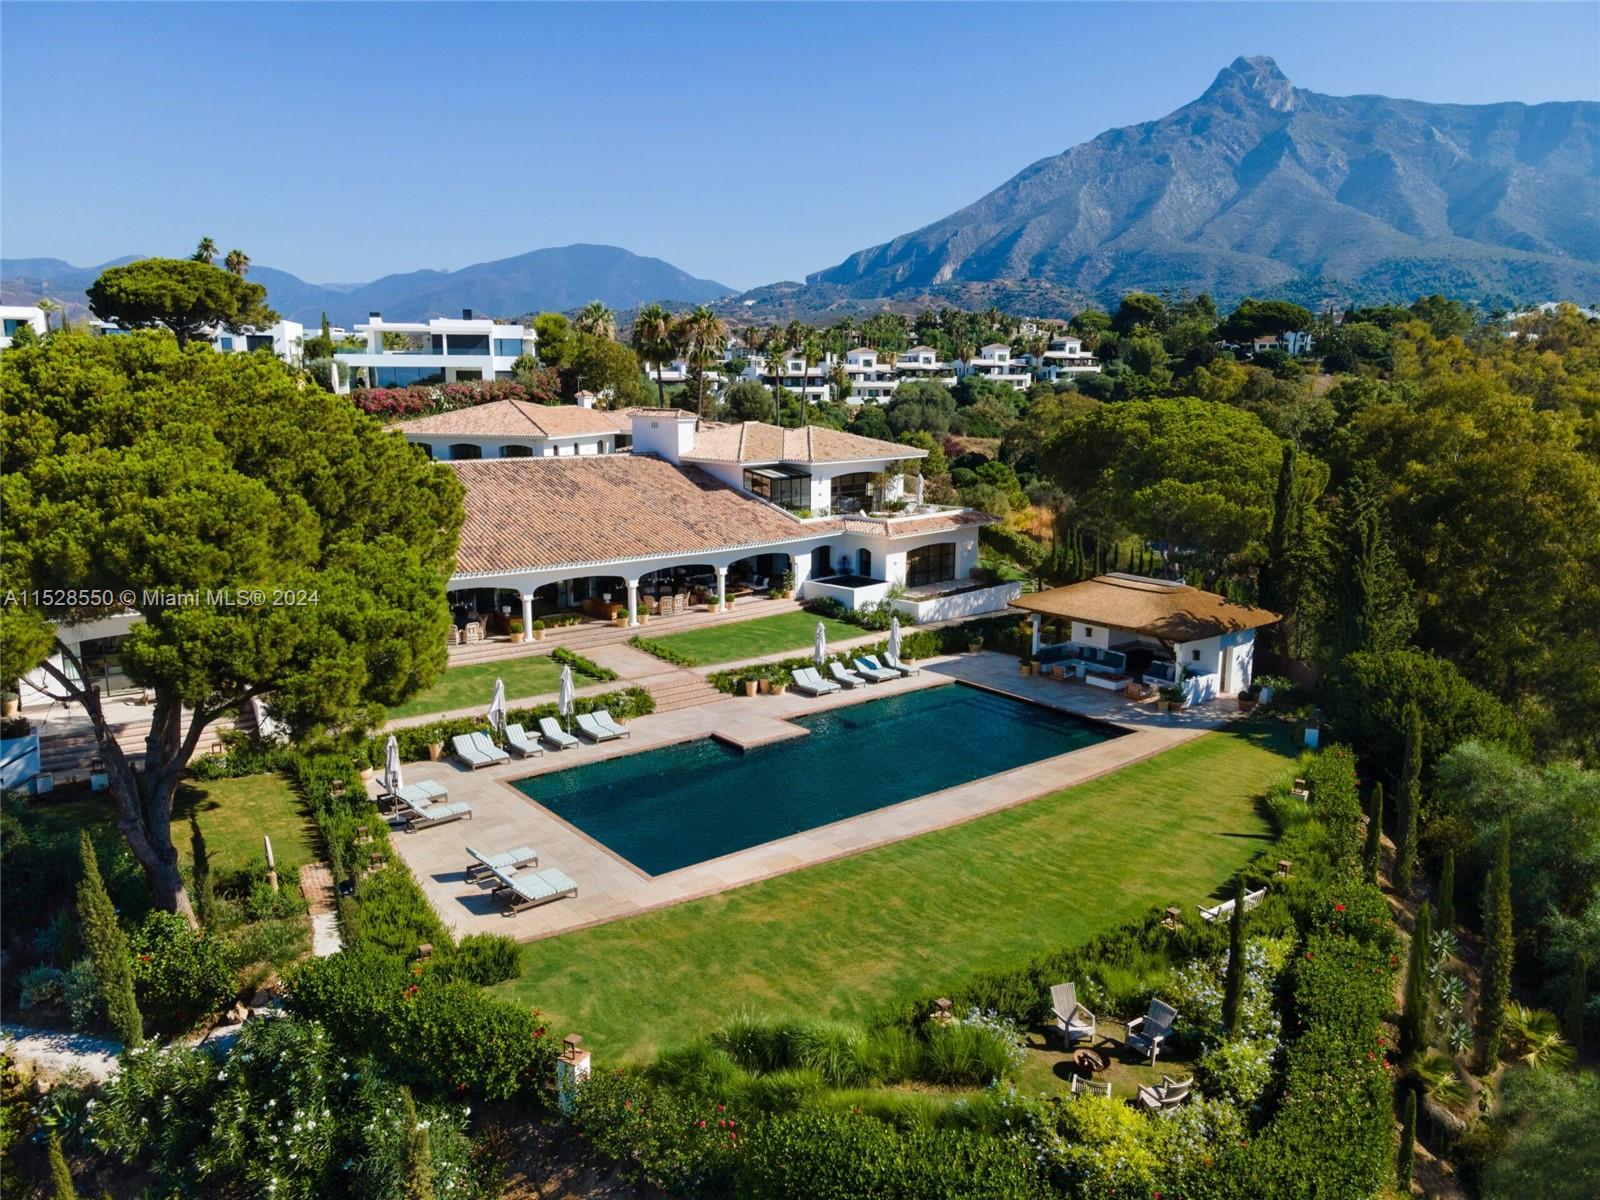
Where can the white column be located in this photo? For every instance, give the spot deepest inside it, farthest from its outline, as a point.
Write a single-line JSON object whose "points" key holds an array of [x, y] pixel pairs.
{"points": [[1038, 621], [527, 615], [633, 602], [722, 589]]}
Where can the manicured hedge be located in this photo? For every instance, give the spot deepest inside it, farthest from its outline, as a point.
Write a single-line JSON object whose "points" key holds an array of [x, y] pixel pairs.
{"points": [[583, 666], [663, 651], [414, 740]]}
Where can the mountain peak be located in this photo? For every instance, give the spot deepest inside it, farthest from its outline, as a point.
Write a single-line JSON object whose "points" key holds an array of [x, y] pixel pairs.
{"points": [[1258, 78]]}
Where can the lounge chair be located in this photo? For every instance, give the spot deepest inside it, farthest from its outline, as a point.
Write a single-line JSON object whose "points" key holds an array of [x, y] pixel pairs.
{"points": [[874, 673], [468, 751], [424, 791], [847, 679], [486, 865], [1167, 1095], [1088, 1087], [1151, 1030], [894, 664], [555, 735], [1223, 911], [420, 816], [488, 749], [533, 888], [517, 741], [603, 719], [808, 681], [593, 730], [1075, 1022]]}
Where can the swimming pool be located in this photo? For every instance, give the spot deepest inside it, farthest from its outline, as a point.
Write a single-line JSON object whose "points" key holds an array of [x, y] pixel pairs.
{"points": [[679, 805]]}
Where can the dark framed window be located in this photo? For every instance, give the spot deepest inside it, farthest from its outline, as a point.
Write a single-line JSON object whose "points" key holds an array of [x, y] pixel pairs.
{"points": [[790, 489], [465, 450], [931, 564]]}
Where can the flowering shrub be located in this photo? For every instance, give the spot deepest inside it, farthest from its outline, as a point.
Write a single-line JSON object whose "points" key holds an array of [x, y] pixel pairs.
{"points": [[657, 1135], [1238, 1071], [429, 398], [179, 974]]}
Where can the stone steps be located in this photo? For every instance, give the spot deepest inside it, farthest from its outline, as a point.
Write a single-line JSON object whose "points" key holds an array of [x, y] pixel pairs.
{"points": [[69, 755], [683, 690]]}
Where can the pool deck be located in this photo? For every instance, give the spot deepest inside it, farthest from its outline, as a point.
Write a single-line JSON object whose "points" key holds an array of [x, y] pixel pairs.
{"points": [[610, 888]]}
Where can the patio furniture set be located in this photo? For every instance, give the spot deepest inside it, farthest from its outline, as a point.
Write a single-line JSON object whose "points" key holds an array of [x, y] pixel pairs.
{"points": [[519, 889], [869, 668], [1146, 1034]]}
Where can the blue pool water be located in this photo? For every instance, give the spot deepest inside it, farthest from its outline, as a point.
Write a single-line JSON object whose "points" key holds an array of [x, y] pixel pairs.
{"points": [[669, 808]]}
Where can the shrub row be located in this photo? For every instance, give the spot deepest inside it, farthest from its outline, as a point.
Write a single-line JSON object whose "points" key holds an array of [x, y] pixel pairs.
{"points": [[414, 740], [664, 652], [427, 399], [583, 666]]}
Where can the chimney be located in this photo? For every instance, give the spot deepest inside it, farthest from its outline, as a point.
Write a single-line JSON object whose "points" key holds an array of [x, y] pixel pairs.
{"points": [[375, 316], [584, 399], [466, 314]]}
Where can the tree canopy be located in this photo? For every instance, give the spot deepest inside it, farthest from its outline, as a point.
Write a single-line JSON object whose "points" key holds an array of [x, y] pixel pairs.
{"points": [[180, 294]]}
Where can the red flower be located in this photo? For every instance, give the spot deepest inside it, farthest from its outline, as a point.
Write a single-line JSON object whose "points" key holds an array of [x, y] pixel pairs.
{"points": [[1338, 908], [702, 1122]]}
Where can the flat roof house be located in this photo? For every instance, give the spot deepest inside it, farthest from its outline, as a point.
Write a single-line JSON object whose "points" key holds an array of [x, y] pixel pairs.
{"points": [[1066, 357], [17, 315], [442, 350], [872, 381], [994, 362], [923, 362], [1130, 628], [286, 340]]}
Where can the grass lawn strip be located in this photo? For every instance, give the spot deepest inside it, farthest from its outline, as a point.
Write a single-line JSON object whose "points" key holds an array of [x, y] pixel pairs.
{"points": [[739, 640], [464, 687], [838, 939]]}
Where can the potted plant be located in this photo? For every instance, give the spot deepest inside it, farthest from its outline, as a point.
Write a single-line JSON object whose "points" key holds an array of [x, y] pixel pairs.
{"points": [[435, 751], [1247, 699], [780, 683], [516, 631], [764, 683], [9, 702], [750, 685], [974, 644], [1171, 695], [1024, 663], [538, 631]]}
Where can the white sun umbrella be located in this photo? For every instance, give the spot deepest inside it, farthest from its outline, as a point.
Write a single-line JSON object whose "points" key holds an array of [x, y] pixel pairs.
{"points": [[819, 650], [565, 695], [920, 482], [391, 766], [497, 707], [894, 638]]}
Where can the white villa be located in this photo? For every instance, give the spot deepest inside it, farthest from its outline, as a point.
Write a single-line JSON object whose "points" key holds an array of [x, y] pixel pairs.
{"points": [[922, 362], [797, 378], [443, 350], [871, 380], [17, 315], [286, 340], [1065, 358], [994, 362], [1131, 629], [720, 510], [518, 429]]}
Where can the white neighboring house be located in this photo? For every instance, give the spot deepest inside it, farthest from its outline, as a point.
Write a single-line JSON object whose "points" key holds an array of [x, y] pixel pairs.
{"points": [[872, 381], [994, 362], [18, 315], [797, 378], [442, 350], [286, 340], [1293, 341], [1065, 358], [517, 429], [923, 362]]}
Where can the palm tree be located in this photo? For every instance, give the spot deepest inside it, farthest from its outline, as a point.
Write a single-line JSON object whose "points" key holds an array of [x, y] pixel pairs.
{"points": [[777, 352], [237, 262], [704, 336], [596, 320], [48, 306], [205, 251], [811, 351], [654, 339]]}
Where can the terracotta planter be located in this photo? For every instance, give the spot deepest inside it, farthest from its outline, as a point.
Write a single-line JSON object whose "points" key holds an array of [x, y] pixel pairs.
{"points": [[10, 707], [435, 751], [974, 647], [765, 687], [368, 773], [538, 635], [779, 689], [1246, 703], [1025, 668], [516, 638], [750, 687]]}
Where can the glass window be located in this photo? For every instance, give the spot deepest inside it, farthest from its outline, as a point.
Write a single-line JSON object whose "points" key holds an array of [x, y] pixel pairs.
{"points": [[510, 347], [780, 487], [516, 451], [852, 491], [466, 450], [467, 343], [931, 564]]}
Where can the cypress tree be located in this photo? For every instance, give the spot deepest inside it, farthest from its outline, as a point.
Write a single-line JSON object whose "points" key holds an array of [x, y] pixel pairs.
{"points": [[1408, 1143], [1577, 1002], [1405, 851], [1233, 987], [1494, 984], [204, 886], [1414, 1016], [1447, 891], [1372, 852], [1285, 518], [418, 1151], [1361, 553], [60, 1176], [108, 947]]}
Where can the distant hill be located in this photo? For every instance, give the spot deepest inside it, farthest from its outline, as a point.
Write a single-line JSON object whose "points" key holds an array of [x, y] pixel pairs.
{"points": [[1262, 188], [556, 279]]}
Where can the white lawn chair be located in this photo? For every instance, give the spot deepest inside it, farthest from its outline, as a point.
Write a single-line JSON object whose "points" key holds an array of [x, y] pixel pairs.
{"points": [[602, 718], [488, 749], [1151, 1030], [1074, 1022], [555, 735], [842, 677], [1166, 1096], [593, 730], [467, 750], [873, 673], [423, 791], [485, 865], [894, 664], [1088, 1087], [421, 816], [533, 888], [808, 681], [517, 741]]}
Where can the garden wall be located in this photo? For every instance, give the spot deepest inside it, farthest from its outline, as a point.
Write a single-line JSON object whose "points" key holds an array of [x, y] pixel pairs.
{"points": [[959, 604]]}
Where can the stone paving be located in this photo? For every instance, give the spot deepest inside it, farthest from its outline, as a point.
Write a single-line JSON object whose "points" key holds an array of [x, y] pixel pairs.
{"points": [[610, 888]]}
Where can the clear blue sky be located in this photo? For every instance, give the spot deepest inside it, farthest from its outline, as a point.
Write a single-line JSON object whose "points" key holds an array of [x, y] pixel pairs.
{"points": [[741, 142]]}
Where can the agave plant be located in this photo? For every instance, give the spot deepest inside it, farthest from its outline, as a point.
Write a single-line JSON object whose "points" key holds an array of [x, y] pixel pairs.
{"points": [[1436, 1072], [1452, 993], [1534, 1036], [1443, 945], [1458, 1036]]}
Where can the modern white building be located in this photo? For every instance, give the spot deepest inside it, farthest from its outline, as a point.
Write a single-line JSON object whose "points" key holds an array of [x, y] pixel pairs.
{"points": [[923, 362], [1065, 358], [286, 340], [442, 350], [17, 315], [994, 362], [872, 381], [797, 378]]}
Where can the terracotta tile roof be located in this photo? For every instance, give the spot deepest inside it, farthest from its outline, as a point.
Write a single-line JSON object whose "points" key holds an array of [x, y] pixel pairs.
{"points": [[515, 418], [1172, 612], [965, 519], [532, 513], [759, 442]]}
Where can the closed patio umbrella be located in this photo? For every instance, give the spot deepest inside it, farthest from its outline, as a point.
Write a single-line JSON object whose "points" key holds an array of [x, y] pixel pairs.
{"points": [[894, 637], [391, 765], [565, 695], [820, 650], [497, 707]]}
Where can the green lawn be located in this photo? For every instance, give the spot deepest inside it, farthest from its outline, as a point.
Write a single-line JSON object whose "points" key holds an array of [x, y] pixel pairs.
{"points": [[472, 686], [738, 640], [839, 939], [234, 814]]}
